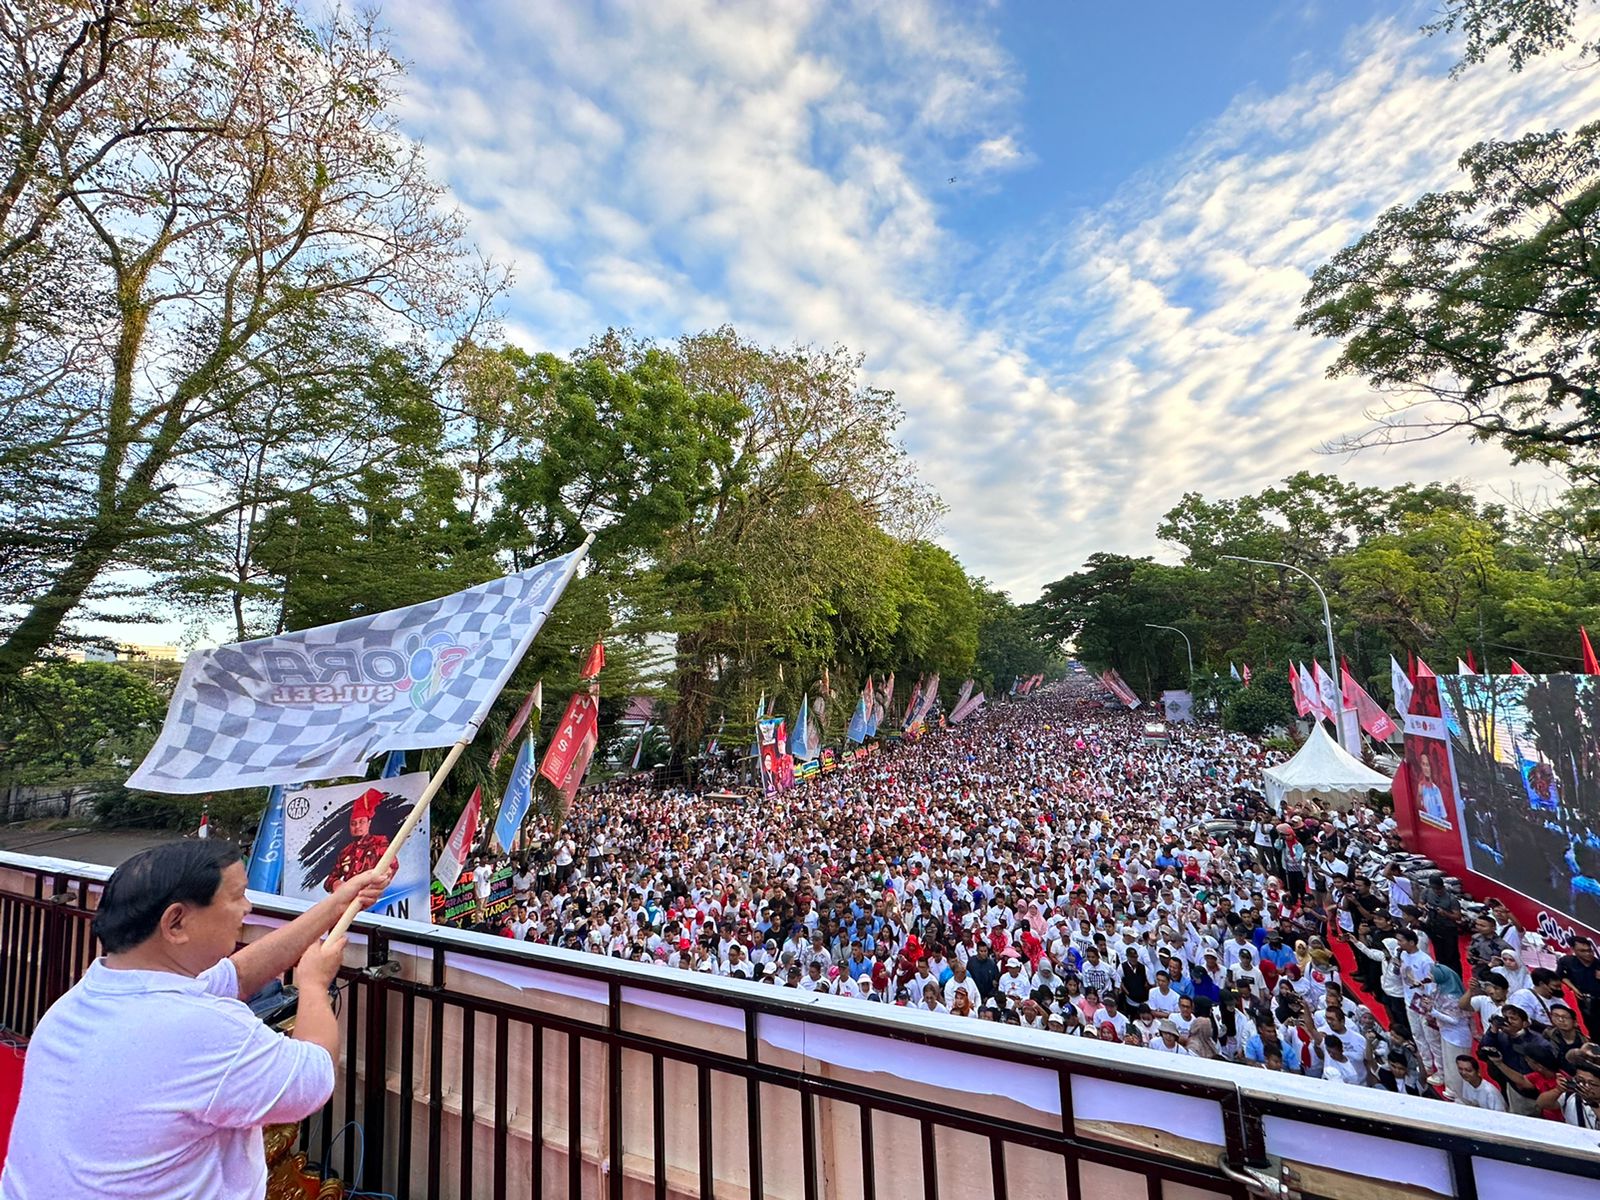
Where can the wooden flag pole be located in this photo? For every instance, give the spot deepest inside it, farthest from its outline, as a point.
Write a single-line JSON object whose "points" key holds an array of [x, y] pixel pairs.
{"points": [[410, 823]]}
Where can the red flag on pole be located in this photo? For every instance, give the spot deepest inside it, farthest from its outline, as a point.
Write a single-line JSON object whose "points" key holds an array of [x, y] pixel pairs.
{"points": [[1517, 668], [579, 724], [1471, 661], [453, 858], [1368, 711], [1424, 671], [518, 720], [1590, 666], [595, 663]]}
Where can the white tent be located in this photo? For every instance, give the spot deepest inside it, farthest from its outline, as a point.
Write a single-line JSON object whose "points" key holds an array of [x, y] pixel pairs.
{"points": [[1324, 770]]}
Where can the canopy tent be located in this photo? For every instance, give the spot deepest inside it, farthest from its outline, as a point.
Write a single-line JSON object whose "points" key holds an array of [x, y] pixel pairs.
{"points": [[1324, 770]]}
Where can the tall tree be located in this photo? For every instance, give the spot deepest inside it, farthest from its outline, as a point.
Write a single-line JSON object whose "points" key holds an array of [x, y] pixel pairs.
{"points": [[249, 224]]}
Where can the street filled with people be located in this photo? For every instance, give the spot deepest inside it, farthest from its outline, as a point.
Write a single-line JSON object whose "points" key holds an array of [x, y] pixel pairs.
{"points": [[1050, 865]]}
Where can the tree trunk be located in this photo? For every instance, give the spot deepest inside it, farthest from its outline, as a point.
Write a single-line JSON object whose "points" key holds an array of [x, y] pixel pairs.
{"points": [[44, 618]]}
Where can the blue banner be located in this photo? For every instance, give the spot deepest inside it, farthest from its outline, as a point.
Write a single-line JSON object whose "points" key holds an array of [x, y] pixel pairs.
{"points": [[857, 731], [518, 799], [799, 740], [266, 856], [394, 765]]}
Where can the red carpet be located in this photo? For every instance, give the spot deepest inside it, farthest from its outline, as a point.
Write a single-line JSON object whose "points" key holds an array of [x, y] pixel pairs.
{"points": [[10, 1089]]}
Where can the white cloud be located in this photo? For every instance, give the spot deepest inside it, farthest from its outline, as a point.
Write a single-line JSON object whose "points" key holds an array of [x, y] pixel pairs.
{"points": [[672, 165]]}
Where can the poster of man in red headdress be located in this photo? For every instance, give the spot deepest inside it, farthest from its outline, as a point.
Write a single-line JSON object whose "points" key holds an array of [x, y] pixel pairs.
{"points": [[333, 833], [362, 851]]}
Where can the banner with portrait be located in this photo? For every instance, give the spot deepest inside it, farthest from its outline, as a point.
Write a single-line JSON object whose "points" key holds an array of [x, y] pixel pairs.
{"points": [[333, 833]]}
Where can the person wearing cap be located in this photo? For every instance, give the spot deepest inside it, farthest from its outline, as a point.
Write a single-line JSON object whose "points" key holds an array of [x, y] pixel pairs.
{"points": [[1168, 1039], [362, 851]]}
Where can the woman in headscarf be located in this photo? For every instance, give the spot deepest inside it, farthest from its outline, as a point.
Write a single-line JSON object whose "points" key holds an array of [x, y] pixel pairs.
{"points": [[1202, 1041], [1454, 1026]]}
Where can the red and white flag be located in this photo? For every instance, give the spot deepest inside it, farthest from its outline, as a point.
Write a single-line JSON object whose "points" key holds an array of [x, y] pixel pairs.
{"points": [[1368, 711], [1302, 706], [1327, 693], [453, 858]]}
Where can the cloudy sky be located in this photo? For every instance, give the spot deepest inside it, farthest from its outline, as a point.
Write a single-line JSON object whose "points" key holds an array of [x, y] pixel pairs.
{"points": [[1071, 237]]}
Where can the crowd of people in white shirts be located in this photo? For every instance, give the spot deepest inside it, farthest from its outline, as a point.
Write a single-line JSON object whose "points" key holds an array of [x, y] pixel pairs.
{"points": [[1047, 865]]}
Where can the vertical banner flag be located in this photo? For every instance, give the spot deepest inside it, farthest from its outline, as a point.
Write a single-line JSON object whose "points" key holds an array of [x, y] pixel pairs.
{"points": [[814, 732], [961, 697], [518, 799], [1233, 673], [1246, 674], [332, 834], [266, 854], [572, 745], [716, 738], [595, 663], [318, 704], [1401, 683], [638, 748], [535, 699], [913, 702], [1327, 692], [888, 698], [1463, 669], [1313, 695], [861, 719], [798, 740], [1517, 668], [1590, 665], [1302, 706], [964, 711], [453, 858], [394, 765]]}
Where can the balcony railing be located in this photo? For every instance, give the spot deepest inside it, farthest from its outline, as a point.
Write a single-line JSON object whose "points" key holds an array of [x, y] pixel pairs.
{"points": [[483, 1067]]}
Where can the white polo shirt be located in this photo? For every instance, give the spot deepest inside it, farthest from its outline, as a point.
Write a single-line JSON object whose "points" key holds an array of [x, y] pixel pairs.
{"points": [[146, 1085]]}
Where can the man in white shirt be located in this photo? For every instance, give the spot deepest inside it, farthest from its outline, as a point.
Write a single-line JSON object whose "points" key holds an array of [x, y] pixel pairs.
{"points": [[1476, 1091], [150, 1079]]}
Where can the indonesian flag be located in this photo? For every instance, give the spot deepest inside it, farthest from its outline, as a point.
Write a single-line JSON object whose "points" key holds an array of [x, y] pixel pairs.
{"points": [[1368, 711], [1313, 697], [1302, 706], [453, 858]]}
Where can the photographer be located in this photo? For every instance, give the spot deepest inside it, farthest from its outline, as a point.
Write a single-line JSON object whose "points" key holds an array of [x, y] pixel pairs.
{"points": [[162, 1075], [1519, 1060], [1577, 1097]]}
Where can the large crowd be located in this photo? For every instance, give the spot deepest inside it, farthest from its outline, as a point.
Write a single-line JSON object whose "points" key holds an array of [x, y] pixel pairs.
{"points": [[1052, 866]]}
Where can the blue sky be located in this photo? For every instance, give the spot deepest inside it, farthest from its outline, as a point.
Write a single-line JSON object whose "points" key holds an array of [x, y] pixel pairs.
{"points": [[1072, 237]]}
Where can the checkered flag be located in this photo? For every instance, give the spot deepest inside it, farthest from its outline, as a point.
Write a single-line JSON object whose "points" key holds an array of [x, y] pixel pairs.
{"points": [[319, 704]]}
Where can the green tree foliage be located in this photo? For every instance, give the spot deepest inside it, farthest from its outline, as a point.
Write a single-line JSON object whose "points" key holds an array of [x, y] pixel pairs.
{"points": [[1478, 308], [1412, 569], [224, 192], [1524, 28], [1254, 710], [78, 723]]}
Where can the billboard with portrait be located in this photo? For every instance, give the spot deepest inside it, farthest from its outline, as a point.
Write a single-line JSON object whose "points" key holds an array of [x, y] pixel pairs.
{"points": [[1504, 781], [333, 833]]}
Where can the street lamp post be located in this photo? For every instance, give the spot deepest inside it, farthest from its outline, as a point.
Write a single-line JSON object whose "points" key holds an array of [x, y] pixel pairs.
{"points": [[1327, 615], [1188, 649]]}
